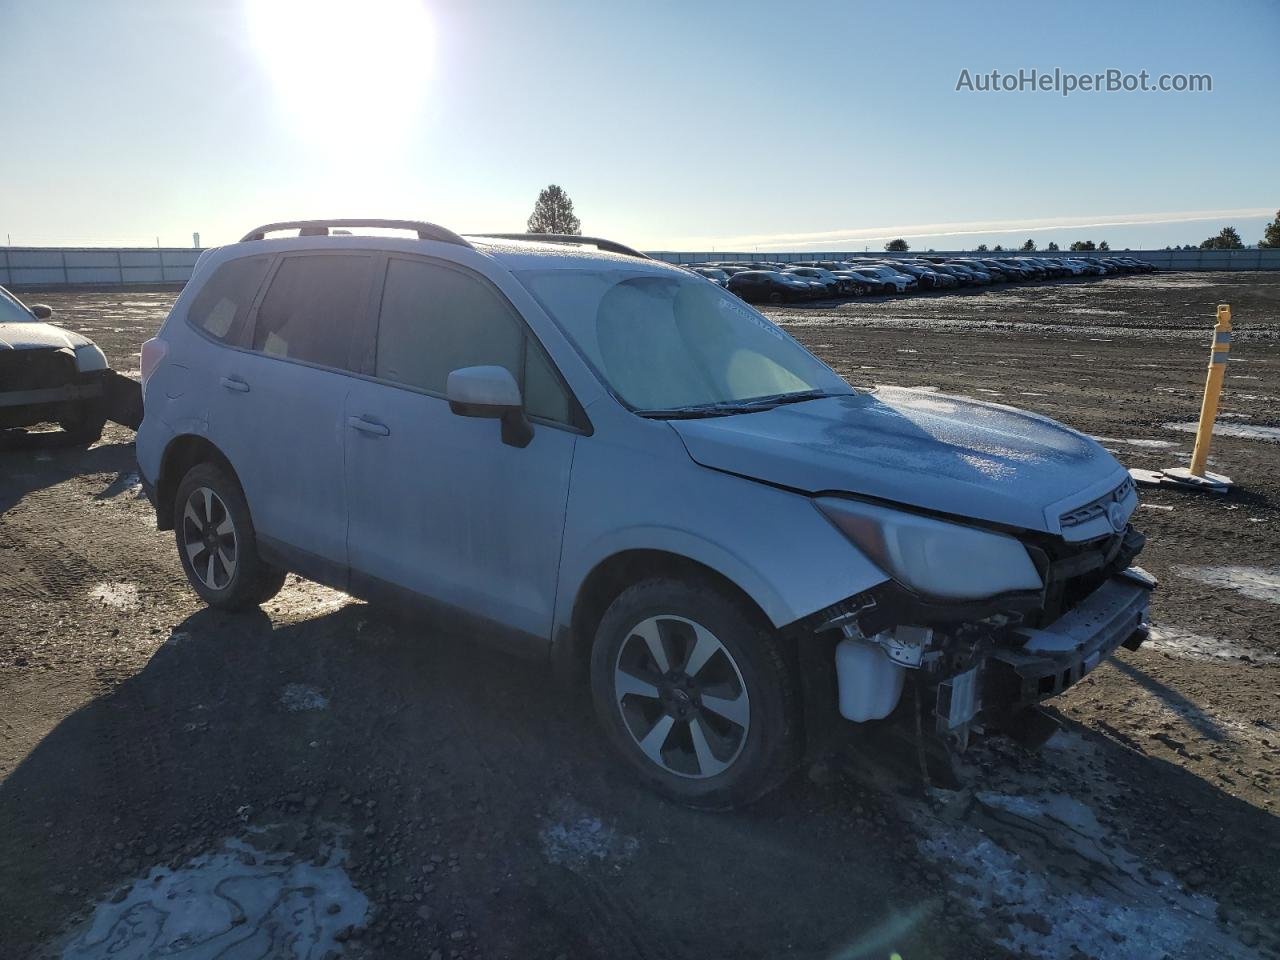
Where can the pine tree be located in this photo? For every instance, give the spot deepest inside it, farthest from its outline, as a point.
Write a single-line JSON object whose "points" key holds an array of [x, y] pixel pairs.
{"points": [[1271, 235], [553, 213], [897, 246], [1053, 247], [1029, 246]]}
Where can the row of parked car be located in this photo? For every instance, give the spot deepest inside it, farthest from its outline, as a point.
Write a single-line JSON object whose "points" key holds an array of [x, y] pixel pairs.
{"points": [[767, 282]]}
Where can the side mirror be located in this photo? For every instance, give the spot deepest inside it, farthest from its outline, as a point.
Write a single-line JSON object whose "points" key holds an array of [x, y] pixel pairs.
{"points": [[41, 311], [490, 392]]}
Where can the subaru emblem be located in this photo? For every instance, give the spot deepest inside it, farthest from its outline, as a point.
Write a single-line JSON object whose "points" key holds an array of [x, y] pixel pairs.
{"points": [[1115, 513]]}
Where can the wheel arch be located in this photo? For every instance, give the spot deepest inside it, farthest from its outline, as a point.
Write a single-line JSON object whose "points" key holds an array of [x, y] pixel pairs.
{"points": [[183, 453], [571, 647]]}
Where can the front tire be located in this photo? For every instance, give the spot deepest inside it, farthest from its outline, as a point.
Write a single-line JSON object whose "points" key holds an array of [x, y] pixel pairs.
{"points": [[695, 691], [216, 541], [85, 427]]}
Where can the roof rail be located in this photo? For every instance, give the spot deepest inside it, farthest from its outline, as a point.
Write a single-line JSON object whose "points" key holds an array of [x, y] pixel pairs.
{"points": [[611, 246], [322, 228]]}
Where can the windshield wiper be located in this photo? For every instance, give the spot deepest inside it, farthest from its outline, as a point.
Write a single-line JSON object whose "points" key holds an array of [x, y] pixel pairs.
{"points": [[778, 399], [687, 413], [727, 408]]}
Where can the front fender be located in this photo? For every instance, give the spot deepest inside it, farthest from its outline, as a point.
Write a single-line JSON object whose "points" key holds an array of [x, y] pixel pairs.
{"points": [[772, 543]]}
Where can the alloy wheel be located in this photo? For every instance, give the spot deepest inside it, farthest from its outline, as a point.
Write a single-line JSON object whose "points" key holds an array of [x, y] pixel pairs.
{"points": [[681, 697], [209, 538]]}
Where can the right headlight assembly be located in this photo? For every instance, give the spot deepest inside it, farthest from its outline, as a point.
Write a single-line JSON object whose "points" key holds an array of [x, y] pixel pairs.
{"points": [[932, 557]]}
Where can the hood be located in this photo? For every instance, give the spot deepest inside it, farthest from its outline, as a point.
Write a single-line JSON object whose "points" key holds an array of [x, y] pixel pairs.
{"points": [[33, 335], [948, 454]]}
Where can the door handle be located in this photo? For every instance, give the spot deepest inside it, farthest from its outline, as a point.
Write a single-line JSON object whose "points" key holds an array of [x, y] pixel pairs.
{"points": [[233, 383], [369, 426]]}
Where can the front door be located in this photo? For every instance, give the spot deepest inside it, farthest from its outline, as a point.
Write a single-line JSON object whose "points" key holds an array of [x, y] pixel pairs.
{"points": [[439, 505]]}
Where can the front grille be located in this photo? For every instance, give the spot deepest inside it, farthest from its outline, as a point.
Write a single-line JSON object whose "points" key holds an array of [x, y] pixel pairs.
{"points": [[35, 369], [1072, 571], [1096, 508]]}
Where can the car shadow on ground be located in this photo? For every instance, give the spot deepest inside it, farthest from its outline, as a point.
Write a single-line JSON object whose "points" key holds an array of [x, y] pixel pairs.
{"points": [[477, 803], [31, 461], [458, 774], [1186, 709]]}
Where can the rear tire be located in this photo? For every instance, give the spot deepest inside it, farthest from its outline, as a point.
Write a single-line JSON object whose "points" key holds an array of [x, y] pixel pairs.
{"points": [[720, 725], [776, 297], [217, 545]]}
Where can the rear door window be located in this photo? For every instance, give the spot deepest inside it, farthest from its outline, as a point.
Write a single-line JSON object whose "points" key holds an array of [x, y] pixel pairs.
{"points": [[222, 306], [314, 308]]}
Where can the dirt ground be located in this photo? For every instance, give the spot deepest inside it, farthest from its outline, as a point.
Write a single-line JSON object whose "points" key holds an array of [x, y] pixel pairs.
{"points": [[319, 777]]}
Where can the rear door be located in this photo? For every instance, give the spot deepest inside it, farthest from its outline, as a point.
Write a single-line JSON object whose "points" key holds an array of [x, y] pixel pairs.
{"points": [[278, 412], [439, 505]]}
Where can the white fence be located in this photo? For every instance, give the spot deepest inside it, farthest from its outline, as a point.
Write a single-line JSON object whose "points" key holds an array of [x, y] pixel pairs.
{"points": [[95, 266], [111, 266]]}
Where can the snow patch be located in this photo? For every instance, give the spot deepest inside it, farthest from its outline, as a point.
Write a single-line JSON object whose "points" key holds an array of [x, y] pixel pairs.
{"points": [[578, 839], [1193, 646], [236, 904], [1246, 431], [119, 596], [132, 485], [296, 697], [1061, 883], [1138, 442], [1259, 583]]}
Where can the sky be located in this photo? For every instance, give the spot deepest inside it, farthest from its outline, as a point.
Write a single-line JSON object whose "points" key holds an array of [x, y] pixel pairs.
{"points": [[694, 125]]}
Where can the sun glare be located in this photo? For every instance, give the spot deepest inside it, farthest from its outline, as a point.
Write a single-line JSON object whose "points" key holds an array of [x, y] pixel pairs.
{"points": [[345, 67]]}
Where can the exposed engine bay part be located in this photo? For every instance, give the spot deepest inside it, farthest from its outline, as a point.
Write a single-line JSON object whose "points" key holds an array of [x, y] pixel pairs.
{"points": [[987, 672], [870, 683], [958, 703]]}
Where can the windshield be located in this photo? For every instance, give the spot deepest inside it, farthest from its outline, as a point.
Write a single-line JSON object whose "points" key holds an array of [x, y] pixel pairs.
{"points": [[662, 342], [11, 310]]}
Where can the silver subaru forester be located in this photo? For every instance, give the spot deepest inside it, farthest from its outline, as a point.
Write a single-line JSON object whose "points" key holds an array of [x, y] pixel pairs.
{"points": [[615, 466]]}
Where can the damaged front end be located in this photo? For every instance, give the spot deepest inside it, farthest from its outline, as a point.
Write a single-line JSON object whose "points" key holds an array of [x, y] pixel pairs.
{"points": [[980, 665], [44, 384]]}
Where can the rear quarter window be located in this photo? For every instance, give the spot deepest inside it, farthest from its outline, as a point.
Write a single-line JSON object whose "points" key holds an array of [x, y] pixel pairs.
{"points": [[222, 306]]}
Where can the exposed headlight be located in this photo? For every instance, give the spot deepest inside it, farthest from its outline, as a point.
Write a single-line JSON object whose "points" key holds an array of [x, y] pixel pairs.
{"points": [[90, 358], [933, 557]]}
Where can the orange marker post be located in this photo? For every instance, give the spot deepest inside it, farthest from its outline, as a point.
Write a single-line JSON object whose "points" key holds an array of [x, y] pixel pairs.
{"points": [[1212, 389]]}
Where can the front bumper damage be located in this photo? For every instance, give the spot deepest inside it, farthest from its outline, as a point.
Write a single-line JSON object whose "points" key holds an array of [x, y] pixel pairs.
{"points": [[43, 385], [980, 666], [993, 693], [1052, 659]]}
